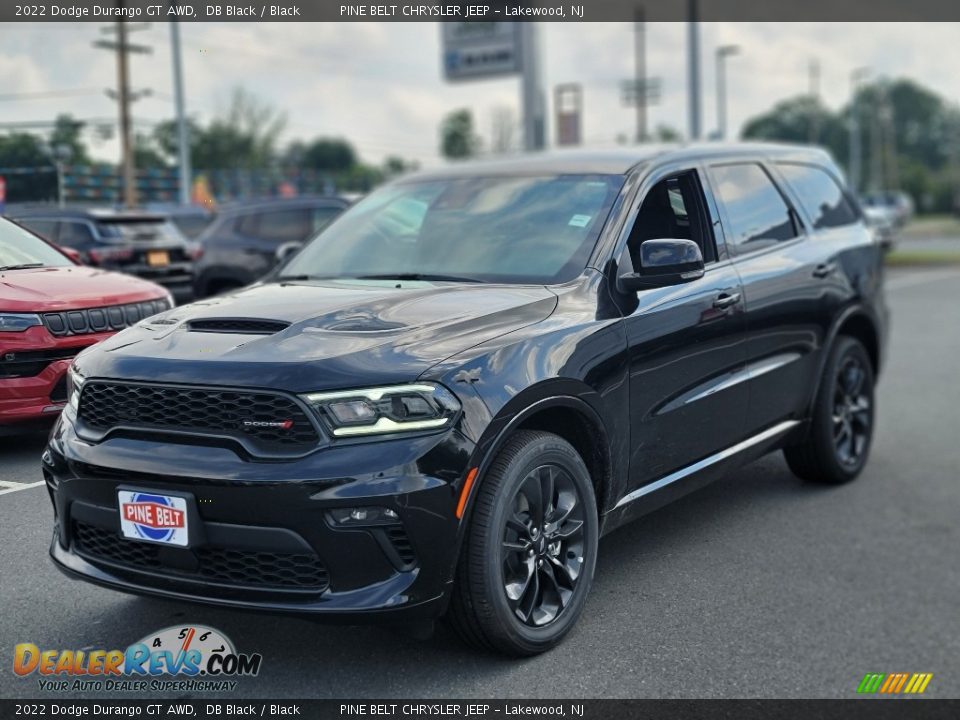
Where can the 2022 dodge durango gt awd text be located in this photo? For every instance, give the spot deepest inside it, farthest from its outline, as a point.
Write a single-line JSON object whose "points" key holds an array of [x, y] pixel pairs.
{"points": [[442, 402]]}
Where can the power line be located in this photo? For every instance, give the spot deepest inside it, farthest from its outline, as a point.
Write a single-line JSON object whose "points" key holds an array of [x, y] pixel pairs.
{"points": [[45, 94]]}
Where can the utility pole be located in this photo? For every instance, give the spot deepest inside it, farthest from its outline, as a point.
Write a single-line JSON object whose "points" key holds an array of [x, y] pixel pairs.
{"points": [[640, 70], [124, 98], [183, 139], [856, 152], [723, 52], [693, 68], [814, 78]]}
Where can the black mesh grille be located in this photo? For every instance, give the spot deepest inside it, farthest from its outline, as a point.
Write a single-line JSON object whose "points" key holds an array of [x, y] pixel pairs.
{"points": [[239, 326], [401, 543], [251, 568], [265, 423], [59, 392], [104, 319]]}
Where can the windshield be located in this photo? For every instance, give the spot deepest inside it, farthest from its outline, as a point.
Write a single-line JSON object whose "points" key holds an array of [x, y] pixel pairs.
{"points": [[488, 229], [19, 248]]}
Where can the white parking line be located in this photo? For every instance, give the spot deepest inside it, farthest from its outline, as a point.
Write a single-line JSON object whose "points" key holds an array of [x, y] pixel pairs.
{"points": [[21, 486], [7, 483]]}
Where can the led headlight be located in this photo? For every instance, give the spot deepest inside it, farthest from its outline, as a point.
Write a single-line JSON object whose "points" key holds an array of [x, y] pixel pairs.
{"points": [[380, 410], [18, 322], [75, 382]]}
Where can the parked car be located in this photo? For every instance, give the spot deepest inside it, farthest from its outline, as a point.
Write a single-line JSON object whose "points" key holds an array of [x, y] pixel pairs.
{"points": [[895, 205], [191, 220], [247, 240], [51, 308], [445, 399], [144, 244]]}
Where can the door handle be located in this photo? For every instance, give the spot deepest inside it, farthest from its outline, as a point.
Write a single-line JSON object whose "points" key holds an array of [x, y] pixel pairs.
{"points": [[824, 270], [725, 300]]}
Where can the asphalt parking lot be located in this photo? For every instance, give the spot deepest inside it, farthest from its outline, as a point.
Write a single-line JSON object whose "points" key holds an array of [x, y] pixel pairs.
{"points": [[758, 586]]}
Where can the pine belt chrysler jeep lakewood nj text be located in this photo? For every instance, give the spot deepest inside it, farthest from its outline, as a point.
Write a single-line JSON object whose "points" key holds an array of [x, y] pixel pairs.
{"points": [[443, 401]]}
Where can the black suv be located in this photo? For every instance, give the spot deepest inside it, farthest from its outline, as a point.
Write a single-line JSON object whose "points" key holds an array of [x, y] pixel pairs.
{"points": [[246, 241], [443, 401], [138, 243]]}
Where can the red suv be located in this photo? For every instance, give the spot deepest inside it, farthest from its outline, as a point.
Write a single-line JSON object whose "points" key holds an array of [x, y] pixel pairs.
{"points": [[51, 308]]}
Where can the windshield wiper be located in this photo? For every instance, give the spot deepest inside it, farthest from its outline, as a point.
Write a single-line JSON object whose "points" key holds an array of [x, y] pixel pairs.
{"points": [[22, 266], [418, 276]]}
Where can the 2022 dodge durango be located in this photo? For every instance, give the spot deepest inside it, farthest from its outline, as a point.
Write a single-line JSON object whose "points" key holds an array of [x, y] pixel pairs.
{"points": [[443, 401], [51, 308]]}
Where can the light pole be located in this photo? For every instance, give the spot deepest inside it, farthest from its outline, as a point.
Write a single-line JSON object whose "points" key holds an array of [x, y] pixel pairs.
{"points": [[856, 157], [693, 68], [183, 142], [723, 52]]}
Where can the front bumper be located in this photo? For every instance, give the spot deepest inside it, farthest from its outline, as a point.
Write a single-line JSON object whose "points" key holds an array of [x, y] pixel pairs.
{"points": [[37, 395], [261, 534]]}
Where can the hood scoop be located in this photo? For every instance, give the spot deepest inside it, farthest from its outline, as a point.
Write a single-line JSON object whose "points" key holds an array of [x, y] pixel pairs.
{"points": [[237, 326]]}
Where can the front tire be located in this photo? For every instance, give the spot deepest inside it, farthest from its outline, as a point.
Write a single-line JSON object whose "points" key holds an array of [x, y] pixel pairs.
{"points": [[527, 561], [838, 444]]}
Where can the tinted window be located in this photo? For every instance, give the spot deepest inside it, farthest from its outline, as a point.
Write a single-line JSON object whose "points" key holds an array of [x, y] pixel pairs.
{"points": [[74, 234], [756, 211], [43, 228], [820, 195], [291, 225]]}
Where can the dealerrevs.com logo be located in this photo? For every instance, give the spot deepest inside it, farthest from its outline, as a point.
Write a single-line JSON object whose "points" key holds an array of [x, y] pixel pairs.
{"points": [[203, 658]]}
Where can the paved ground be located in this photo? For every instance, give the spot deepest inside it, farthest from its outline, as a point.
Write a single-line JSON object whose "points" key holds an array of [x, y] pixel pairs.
{"points": [[756, 586]]}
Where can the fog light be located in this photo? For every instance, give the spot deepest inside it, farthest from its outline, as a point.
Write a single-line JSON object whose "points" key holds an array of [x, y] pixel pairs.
{"points": [[362, 516]]}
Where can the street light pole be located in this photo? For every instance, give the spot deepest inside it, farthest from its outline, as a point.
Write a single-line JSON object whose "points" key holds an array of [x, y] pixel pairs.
{"points": [[723, 52], [183, 142], [693, 68]]}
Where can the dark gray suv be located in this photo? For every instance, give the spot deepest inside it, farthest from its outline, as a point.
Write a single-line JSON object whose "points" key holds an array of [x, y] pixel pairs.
{"points": [[246, 240]]}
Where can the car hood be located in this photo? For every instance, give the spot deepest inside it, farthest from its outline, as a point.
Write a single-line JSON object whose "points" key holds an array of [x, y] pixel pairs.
{"points": [[338, 334], [51, 289]]}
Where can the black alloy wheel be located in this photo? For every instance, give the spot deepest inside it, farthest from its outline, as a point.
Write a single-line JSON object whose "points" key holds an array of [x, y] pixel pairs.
{"points": [[837, 445], [543, 545], [528, 555]]}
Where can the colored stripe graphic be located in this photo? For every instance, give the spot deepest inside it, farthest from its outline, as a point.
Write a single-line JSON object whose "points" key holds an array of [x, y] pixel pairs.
{"points": [[894, 683]]}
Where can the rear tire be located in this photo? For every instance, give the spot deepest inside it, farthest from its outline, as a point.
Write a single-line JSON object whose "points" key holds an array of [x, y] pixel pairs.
{"points": [[838, 444], [527, 561]]}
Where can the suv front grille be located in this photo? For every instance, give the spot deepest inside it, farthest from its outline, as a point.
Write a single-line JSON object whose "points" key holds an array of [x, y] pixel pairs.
{"points": [[104, 319], [267, 424], [251, 568]]}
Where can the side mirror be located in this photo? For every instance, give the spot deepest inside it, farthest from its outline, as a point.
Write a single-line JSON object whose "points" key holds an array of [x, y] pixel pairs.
{"points": [[664, 262], [71, 253], [287, 250]]}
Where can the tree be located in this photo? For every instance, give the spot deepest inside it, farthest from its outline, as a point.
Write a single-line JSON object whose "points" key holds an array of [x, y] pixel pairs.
{"points": [[243, 137], [329, 154], [800, 119], [146, 154], [37, 179], [457, 138], [66, 134]]}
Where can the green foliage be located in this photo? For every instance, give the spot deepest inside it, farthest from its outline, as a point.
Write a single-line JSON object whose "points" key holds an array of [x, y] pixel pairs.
{"points": [[23, 150], [457, 138], [923, 129]]}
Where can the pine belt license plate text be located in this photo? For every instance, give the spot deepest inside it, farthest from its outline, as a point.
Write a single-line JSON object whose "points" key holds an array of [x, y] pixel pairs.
{"points": [[152, 517], [158, 257]]}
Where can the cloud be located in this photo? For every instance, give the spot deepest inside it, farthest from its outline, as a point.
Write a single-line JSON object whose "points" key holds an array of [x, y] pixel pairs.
{"points": [[380, 84]]}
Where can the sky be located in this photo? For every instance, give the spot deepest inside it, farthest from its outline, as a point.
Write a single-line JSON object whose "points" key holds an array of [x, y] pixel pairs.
{"points": [[380, 86]]}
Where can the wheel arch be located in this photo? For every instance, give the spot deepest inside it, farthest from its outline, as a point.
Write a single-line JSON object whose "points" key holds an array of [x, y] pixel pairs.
{"points": [[857, 322], [567, 416]]}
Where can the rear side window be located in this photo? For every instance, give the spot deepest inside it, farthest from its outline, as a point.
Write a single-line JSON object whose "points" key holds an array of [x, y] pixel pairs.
{"points": [[44, 228], [74, 234], [757, 214], [821, 195], [280, 226]]}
